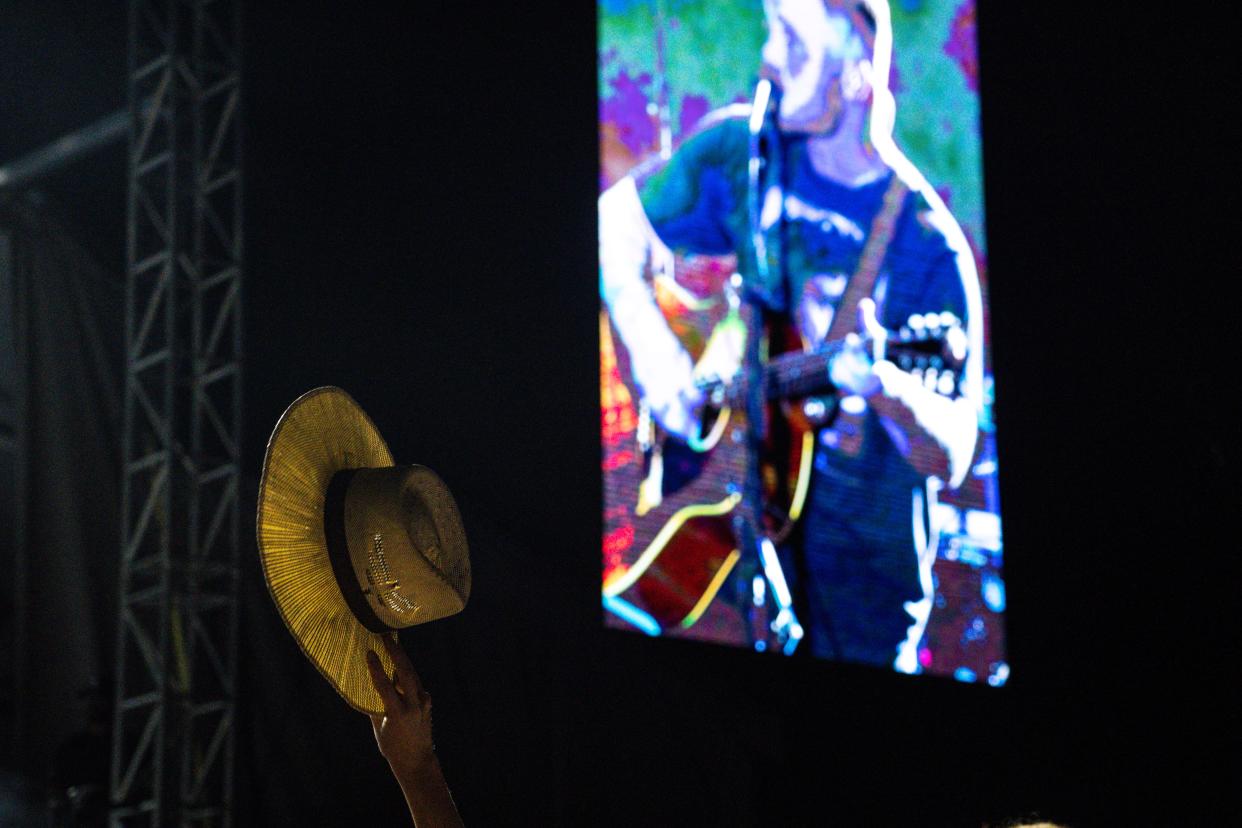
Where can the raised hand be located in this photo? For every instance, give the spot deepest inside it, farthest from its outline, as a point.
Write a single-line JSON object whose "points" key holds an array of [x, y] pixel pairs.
{"points": [[403, 734]]}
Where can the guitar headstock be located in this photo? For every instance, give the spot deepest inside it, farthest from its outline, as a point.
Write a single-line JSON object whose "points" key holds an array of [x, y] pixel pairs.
{"points": [[932, 347]]}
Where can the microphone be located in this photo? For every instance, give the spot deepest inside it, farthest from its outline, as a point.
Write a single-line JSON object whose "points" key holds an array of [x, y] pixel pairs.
{"points": [[766, 102], [765, 92]]}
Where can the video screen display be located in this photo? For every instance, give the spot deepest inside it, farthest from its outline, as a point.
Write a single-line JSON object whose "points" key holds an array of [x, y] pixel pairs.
{"points": [[798, 451]]}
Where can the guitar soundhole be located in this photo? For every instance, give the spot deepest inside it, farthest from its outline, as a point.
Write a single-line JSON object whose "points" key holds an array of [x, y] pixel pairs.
{"points": [[682, 465]]}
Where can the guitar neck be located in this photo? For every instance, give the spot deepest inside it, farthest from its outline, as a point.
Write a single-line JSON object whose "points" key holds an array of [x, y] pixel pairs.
{"points": [[795, 374], [801, 374]]}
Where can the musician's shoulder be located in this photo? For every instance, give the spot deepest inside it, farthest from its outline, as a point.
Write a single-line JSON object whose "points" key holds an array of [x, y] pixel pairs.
{"points": [[925, 207], [728, 124], [735, 113], [720, 139]]}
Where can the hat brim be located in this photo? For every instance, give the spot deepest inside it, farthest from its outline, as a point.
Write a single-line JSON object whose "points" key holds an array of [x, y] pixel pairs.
{"points": [[322, 432]]}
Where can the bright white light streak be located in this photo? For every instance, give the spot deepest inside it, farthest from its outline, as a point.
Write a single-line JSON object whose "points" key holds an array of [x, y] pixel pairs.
{"points": [[772, 568]]}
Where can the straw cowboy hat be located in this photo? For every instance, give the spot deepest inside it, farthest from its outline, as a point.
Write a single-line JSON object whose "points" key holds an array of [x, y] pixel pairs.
{"points": [[353, 547]]}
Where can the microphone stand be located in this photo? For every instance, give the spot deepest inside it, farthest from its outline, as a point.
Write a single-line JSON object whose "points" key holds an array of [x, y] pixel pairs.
{"points": [[748, 521]]}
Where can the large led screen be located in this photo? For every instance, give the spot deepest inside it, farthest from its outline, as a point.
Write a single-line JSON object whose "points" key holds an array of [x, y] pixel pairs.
{"points": [[795, 385]]}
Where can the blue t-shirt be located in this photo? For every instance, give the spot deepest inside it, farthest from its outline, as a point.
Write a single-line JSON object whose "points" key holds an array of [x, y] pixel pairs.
{"points": [[697, 203]]}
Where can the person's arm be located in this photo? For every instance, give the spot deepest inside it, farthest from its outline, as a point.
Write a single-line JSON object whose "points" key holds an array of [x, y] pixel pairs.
{"points": [[660, 365], [938, 433], [935, 433], [684, 204], [403, 734]]}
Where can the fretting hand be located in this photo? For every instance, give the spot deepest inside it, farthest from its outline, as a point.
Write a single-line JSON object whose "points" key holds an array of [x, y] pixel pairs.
{"points": [[858, 367]]}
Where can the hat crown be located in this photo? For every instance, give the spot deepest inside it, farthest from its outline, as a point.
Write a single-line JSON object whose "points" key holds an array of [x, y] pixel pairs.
{"points": [[406, 544], [402, 560]]}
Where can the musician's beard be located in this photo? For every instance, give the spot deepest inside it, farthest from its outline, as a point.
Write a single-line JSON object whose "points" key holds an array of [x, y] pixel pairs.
{"points": [[819, 116]]}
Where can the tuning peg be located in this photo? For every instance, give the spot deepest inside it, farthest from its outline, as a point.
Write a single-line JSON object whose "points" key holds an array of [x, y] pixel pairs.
{"points": [[929, 377], [956, 340], [931, 321], [946, 383], [815, 410], [915, 324], [948, 320]]}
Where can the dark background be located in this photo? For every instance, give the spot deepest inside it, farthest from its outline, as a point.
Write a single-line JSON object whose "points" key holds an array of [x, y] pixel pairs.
{"points": [[421, 231]]}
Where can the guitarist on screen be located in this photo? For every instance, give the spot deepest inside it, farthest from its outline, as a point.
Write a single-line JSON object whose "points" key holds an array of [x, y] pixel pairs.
{"points": [[839, 237]]}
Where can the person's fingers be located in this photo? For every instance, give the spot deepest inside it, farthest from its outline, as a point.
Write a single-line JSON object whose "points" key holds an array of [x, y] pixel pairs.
{"points": [[406, 676], [866, 313], [377, 722], [392, 702], [868, 323]]}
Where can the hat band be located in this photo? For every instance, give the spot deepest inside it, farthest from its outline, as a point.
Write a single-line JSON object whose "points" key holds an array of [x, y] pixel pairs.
{"points": [[338, 553]]}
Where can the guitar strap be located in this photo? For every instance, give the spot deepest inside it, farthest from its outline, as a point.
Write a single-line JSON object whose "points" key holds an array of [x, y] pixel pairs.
{"points": [[845, 319]]}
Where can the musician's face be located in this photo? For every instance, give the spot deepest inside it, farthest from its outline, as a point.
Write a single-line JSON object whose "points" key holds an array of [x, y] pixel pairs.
{"points": [[818, 59]]}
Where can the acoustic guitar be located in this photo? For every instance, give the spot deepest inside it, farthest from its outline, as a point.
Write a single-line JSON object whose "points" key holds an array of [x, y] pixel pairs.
{"points": [[691, 516]]}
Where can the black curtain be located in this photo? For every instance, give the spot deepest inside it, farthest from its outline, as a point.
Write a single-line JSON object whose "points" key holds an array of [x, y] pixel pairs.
{"points": [[60, 399], [496, 674]]}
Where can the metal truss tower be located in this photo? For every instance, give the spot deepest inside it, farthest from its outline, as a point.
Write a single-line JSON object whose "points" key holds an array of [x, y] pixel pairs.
{"points": [[176, 667]]}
